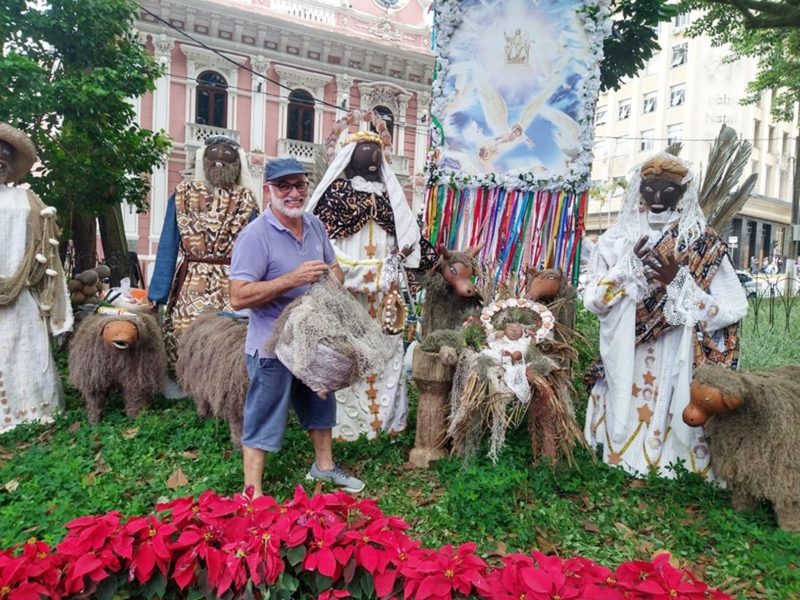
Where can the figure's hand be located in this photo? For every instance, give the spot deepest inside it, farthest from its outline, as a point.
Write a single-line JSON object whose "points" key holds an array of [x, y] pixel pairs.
{"points": [[309, 272], [639, 249], [664, 269]]}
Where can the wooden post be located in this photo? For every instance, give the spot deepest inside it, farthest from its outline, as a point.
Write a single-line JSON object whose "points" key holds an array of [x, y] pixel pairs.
{"points": [[434, 380]]}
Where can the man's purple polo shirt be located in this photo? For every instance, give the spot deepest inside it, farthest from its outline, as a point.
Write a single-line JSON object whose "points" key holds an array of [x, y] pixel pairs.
{"points": [[265, 250]]}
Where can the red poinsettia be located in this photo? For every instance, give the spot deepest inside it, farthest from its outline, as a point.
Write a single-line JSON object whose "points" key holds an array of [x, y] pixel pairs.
{"points": [[436, 575], [324, 553], [151, 547]]}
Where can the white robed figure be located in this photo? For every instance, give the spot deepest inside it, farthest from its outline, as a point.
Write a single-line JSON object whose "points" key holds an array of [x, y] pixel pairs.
{"points": [[33, 292], [668, 298], [367, 217]]}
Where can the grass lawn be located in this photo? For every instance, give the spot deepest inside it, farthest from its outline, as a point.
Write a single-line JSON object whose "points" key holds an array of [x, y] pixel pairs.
{"points": [[50, 474]]}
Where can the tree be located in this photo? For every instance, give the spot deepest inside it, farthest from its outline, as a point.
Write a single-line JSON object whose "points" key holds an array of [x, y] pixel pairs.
{"points": [[633, 40], [69, 69], [768, 30]]}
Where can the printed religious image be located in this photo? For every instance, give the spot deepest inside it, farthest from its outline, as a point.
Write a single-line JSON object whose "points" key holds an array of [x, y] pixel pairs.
{"points": [[512, 100]]}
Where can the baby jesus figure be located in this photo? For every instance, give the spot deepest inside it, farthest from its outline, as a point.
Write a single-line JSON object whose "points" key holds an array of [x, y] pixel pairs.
{"points": [[508, 347], [512, 342]]}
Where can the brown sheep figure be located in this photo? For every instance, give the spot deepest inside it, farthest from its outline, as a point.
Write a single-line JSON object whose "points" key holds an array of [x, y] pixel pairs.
{"points": [[754, 447], [123, 352], [211, 367]]}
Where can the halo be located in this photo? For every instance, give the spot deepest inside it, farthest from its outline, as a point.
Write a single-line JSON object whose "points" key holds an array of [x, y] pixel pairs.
{"points": [[382, 137], [547, 318]]}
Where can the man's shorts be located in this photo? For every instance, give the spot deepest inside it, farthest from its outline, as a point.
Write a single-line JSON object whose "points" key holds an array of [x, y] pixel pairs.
{"points": [[266, 408]]}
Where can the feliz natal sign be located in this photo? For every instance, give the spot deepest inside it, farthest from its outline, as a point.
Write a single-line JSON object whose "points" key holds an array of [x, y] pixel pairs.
{"points": [[513, 102]]}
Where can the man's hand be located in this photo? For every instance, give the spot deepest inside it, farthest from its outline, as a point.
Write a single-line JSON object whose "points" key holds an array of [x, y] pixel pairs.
{"points": [[309, 272], [664, 269]]}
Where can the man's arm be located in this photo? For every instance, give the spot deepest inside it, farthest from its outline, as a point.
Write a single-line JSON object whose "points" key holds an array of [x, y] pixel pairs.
{"points": [[336, 269], [250, 294]]}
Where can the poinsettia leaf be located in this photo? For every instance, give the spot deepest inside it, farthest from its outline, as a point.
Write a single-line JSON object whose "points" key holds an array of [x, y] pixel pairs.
{"points": [[295, 555], [155, 587], [321, 581], [106, 589]]}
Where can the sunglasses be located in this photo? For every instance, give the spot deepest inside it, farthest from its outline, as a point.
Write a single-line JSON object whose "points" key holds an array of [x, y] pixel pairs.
{"points": [[284, 187]]}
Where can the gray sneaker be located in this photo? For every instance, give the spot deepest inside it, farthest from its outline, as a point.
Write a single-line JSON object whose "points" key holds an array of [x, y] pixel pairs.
{"points": [[337, 477]]}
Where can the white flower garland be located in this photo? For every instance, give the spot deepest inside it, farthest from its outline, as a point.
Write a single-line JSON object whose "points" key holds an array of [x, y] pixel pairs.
{"points": [[547, 317], [596, 16]]}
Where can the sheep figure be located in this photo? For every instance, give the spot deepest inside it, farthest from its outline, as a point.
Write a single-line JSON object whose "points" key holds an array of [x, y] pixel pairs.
{"points": [[211, 367], [123, 352], [754, 437]]}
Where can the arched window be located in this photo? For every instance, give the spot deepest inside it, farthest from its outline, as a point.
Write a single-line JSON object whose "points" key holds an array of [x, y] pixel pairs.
{"points": [[212, 99], [388, 117], [300, 124]]}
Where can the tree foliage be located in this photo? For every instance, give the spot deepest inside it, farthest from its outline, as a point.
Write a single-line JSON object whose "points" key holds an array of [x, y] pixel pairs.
{"points": [[633, 40], [69, 70], [768, 30]]}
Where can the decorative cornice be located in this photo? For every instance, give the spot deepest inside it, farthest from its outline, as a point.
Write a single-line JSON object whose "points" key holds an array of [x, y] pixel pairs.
{"points": [[295, 78], [383, 93], [206, 59]]}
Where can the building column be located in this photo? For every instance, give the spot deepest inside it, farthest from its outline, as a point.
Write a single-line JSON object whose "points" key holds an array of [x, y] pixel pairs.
{"points": [[343, 85], [421, 144], [258, 110], [159, 193], [402, 118]]}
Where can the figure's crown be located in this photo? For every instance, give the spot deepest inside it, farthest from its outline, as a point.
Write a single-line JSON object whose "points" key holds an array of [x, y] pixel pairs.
{"points": [[363, 136]]}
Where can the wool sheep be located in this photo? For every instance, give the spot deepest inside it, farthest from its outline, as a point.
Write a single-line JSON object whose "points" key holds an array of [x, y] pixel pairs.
{"points": [[211, 367], [98, 365], [754, 447]]}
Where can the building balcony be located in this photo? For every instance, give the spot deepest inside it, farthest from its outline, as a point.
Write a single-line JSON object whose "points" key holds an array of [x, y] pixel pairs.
{"points": [[197, 134], [305, 152], [305, 11]]}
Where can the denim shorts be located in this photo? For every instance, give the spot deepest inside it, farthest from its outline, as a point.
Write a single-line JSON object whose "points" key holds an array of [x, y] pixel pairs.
{"points": [[266, 408]]}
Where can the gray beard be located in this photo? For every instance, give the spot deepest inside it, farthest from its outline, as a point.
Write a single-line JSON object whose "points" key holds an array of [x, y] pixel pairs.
{"points": [[224, 176]]}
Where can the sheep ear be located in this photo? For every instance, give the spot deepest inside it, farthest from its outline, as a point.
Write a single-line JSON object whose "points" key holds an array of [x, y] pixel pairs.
{"points": [[531, 272], [560, 272], [444, 252]]}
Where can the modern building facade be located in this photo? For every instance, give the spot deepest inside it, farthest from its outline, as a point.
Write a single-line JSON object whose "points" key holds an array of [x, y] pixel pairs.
{"points": [[686, 92], [275, 75]]}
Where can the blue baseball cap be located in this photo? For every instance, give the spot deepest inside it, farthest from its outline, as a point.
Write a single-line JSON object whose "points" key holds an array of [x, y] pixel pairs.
{"points": [[282, 167]]}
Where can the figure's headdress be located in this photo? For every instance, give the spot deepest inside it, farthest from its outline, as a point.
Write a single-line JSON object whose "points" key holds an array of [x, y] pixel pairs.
{"points": [[666, 167], [24, 152], [363, 136]]}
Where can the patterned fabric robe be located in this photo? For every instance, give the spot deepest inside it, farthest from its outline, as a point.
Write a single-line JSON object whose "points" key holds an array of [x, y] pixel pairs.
{"points": [[362, 229], [208, 223]]}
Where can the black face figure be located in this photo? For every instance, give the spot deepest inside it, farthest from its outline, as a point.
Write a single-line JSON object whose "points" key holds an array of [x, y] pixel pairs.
{"points": [[6, 158], [365, 162], [660, 194], [221, 153]]}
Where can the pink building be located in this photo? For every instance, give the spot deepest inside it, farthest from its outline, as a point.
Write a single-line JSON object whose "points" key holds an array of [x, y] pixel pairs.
{"points": [[315, 55]]}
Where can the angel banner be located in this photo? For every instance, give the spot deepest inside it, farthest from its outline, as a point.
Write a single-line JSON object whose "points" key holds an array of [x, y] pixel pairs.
{"points": [[513, 102]]}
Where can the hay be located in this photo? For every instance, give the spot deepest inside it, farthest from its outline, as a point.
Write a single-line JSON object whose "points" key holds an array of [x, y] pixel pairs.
{"points": [[440, 338], [755, 447], [480, 401], [327, 339], [211, 367], [442, 309], [95, 369]]}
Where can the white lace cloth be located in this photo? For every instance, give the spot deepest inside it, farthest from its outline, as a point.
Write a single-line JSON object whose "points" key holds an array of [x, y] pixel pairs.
{"points": [[635, 412], [513, 372]]}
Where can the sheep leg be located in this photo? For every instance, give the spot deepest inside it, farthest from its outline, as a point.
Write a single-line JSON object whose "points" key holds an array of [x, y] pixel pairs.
{"points": [[743, 501], [203, 407], [95, 403], [235, 424], [788, 514], [135, 400]]}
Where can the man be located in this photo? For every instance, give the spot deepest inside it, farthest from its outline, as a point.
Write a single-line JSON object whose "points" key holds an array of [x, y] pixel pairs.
{"points": [[33, 292], [203, 218], [668, 298], [275, 259]]}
